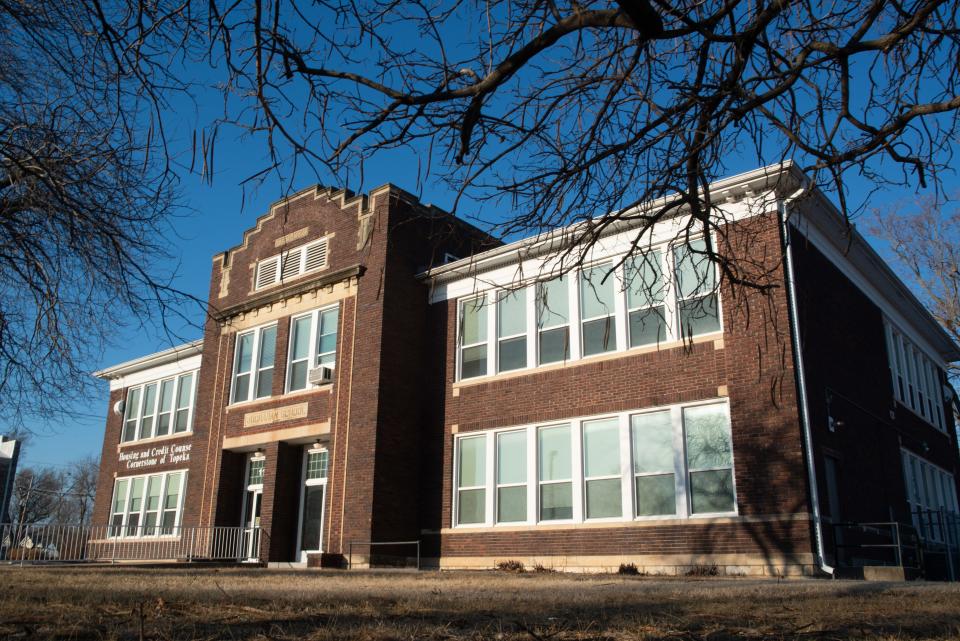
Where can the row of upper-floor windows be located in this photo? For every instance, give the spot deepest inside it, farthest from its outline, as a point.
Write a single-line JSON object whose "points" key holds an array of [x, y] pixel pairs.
{"points": [[656, 296], [312, 344], [159, 408], [917, 381]]}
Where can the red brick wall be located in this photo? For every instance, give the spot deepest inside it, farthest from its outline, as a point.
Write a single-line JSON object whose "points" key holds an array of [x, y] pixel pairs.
{"points": [[755, 364], [849, 377]]}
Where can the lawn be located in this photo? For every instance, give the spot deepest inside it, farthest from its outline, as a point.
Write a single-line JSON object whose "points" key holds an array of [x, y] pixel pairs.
{"points": [[175, 604]]}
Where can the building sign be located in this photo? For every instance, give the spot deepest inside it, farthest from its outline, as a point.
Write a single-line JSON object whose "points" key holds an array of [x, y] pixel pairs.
{"points": [[157, 455], [275, 415]]}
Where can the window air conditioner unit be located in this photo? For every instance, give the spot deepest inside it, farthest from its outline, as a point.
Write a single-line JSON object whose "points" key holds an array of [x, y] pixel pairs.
{"points": [[320, 375]]}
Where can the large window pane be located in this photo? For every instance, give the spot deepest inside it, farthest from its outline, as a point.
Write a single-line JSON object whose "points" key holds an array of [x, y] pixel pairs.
{"points": [[268, 350], [699, 315], [471, 502], [511, 330], [149, 405], [652, 442], [601, 448], [470, 507], [513, 354], [473, 321], [327, 337], [707, 436], [596, 292], [131, 414], [512, 504], [184, 401], [712, 491], [653, 464], [556, 501], [647, 326], [473, 337], [242, 366], [554, 462], [554, 453], [645, 286], [695, 273], [473, 361], [300, 353], [603, 498], [512, 313], [553, 306], [709, 459], [656, 495], [599, 336], [512, 457], [554, 345], [472, 466], [166, 406], [601, 458]]}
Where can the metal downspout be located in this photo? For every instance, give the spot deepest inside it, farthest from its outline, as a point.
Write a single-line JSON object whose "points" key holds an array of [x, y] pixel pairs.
{"points": [[782, 205]]}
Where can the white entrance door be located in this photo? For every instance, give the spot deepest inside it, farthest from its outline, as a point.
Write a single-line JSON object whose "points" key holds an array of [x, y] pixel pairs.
{"points": [[312, 500], [253, 498]]}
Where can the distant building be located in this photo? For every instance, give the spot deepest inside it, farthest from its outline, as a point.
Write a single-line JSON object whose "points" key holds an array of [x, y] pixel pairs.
{"points": [[344, 392], [9, 455]]}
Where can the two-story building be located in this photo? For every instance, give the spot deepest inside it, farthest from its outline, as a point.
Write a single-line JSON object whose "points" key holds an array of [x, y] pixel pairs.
{"points": [[375, 370]]}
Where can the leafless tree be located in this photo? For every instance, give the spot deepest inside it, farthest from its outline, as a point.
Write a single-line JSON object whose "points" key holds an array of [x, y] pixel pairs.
{"points": [[86, 191], [562, 112], [924, 238], [36, 496]]}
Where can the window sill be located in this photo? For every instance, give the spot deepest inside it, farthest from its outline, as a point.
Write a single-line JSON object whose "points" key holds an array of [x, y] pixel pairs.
{"points": [[642, 521], [899, 403], [155, 439], [242, 405], [713, 337]]}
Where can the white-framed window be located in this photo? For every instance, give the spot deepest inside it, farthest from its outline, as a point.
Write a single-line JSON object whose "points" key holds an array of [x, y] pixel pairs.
{"points": [[253, 363], [598, 320], [602, 476], [472, 333], [471, 480], [511, 330], [313, 343], [555, 465], [553, 320], [931, 494], [709, 450], [916, 378], [660, 295], [667, 462], [646, 298], [255, 468], [654, 464], [291, 263], [159, 408], [696, 289], [147, 505], [511, 476]]}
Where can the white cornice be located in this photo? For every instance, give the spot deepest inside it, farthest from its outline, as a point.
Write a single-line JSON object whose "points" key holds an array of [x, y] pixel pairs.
{"points": [[151, 361]]}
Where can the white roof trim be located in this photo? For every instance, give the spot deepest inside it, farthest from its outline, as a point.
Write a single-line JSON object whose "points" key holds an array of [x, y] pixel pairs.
{"points": [[150, 361]]}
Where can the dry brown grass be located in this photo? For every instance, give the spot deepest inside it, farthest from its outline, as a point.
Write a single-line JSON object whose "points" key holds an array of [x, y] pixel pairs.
{"points": [[175, 604]]}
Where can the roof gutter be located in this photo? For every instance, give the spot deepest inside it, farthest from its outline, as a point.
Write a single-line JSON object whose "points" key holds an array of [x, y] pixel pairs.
{"points": [[803, 406]]}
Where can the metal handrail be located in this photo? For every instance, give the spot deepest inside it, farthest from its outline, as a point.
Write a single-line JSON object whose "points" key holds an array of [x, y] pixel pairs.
{"points": [[111, 543], [350, 545]]}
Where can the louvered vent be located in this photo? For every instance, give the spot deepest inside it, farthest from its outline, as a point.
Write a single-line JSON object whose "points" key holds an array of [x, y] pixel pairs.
{"points": [[316, 256], [291, 265], [266, 272]]}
